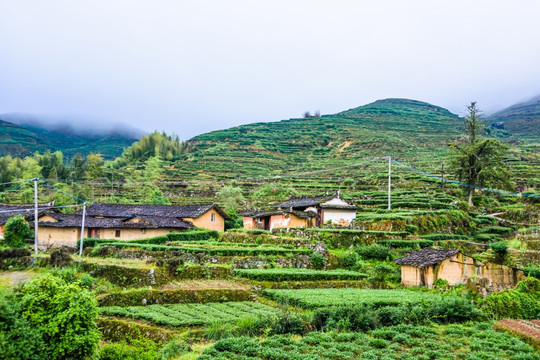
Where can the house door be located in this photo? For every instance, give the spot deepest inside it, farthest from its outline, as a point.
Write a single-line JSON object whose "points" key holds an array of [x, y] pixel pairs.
{"points": [[93, 233], [266, 223]]}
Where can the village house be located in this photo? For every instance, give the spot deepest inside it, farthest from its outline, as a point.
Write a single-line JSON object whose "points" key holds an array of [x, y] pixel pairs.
{"points": [[25, 210], [424, 267], [126, 222], [303, 211]]}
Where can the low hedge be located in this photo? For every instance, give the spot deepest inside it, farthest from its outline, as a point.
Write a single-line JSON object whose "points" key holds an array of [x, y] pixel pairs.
{"points": [[293, 274], [407, 243], [224, 251], [440, 237], [118, 330], [14, 253], [532, 271], [173, 236], [138, 297], [500, 230]]}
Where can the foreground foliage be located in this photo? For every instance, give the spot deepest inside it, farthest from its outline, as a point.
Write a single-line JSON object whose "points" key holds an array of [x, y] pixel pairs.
{"points": [[396, 342], [48, 319]]}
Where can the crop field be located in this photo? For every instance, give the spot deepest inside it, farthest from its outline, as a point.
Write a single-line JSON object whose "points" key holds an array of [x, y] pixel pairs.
{"points": [[179, 315], [398, 342], [292, 274], [315, 298]]}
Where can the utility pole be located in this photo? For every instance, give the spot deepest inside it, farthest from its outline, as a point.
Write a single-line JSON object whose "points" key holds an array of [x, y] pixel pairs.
{"points": [[389, 182], [82, 228], [35, 216]]}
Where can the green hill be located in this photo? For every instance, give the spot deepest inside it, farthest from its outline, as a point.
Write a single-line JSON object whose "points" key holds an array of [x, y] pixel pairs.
{"points": [[404, 128], [25, 139], [18, 141], [521, 120]]}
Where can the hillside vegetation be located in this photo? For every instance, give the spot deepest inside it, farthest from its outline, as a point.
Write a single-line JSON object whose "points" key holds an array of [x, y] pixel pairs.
{"points": [[521, 120], [25, 140]]}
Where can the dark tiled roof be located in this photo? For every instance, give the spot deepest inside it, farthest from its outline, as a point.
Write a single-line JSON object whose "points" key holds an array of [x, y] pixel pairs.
{"points": [[258, 214], [129, 210], [9, 210], [306, 201], [302, 201], [426, 257], [26, 210], [148, 222], [334, 206]]}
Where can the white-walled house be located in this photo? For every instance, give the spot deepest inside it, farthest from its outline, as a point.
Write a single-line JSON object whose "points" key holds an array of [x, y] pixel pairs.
{"points": [[303, 211]]}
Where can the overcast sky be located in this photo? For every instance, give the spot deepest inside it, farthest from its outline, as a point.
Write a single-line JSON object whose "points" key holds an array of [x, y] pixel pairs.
{"points": [[193, 66]]}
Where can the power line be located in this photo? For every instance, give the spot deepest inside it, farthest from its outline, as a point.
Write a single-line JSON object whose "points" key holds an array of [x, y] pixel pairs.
{"points": [[503, 192]]}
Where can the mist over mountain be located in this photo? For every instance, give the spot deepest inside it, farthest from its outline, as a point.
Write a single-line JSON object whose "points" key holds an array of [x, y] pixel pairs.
{"points": [[73, 125], [23, 134], [521, 120]]}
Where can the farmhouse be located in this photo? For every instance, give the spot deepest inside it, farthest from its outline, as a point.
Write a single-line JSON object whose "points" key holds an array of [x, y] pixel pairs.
{"points": [[303, 211], [424, 267], [268, 220], [26, 210], [126, 222]]}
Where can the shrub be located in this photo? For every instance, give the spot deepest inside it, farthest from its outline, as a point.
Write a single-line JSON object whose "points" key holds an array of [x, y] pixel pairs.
{"points": [[317, 261], [407, 243], [520, 303], [381, 274], [500, 248], [58, 318], [294, 274], [289, 323], [16, 231], [374, 251], [350, 260], [19, 339], [411, 229], [532, 271], [121, 351]]}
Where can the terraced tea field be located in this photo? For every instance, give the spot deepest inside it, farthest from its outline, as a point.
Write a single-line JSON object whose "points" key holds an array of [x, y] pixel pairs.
{"points": [[180, 315], [315, 298]]}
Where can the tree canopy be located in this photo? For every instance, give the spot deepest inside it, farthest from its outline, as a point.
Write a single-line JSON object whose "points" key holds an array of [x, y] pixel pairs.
{"points": [[479, 161]]}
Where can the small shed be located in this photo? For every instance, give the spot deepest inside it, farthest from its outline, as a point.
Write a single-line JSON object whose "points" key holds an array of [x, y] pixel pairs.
{"points": [[424, 267]]}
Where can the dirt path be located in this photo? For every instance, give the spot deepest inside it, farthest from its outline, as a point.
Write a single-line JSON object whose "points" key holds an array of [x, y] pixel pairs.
{"points": [[524, 328], [15, 277], [206, 284]]}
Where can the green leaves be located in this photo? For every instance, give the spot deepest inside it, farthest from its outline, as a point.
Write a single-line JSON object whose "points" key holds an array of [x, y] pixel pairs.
{"points": [[57, 318], [16, 231]]}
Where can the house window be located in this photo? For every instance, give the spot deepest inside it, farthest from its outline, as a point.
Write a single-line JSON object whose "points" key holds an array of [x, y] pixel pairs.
{"points": [[212, 217], [117, 233]]}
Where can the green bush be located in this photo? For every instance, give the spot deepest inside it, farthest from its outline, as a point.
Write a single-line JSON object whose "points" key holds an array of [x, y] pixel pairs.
{"points": [[411, 229], [532, 271], [374, 251], [407, 243], [293, 274], [520, 303], [317, 261], [56, 317], [19, 339], [350, 261], [440, 237], [121, 351], [16, 231], [500, 230], [500, 248]]}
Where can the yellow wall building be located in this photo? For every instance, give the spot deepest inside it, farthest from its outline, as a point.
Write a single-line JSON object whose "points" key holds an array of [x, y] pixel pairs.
{"points": [[424, 267]]}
